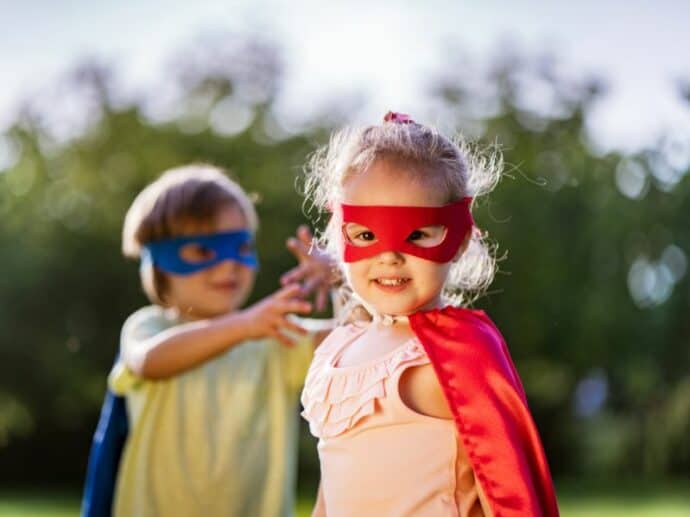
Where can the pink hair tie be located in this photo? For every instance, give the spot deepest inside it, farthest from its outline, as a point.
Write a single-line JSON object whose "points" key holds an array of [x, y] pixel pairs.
{"points": [[398, 118]]}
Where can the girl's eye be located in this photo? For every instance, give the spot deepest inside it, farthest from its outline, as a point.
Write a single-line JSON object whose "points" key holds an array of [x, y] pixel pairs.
{"points": [[358, 235], [428, 237], [196, 253]]}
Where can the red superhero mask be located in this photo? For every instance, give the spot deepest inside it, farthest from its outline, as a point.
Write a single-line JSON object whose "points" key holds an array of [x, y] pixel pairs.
{"points": [[392, 227]]}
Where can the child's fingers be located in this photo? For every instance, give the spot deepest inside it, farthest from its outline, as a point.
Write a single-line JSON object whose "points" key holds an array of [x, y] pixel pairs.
{"points": [[322, 297], [290, 325], [289, 291], [304, 234], [295, 305], [310, 284], [282, 338], [294, 275], [298, 248]]}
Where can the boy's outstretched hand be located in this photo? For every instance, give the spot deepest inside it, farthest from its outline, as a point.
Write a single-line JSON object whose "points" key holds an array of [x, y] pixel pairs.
{"points": [[314, 269], [269, 316]]}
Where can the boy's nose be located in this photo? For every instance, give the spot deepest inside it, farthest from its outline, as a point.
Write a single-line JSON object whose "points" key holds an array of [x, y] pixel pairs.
{"points": [[226, 265], [235, 265]]}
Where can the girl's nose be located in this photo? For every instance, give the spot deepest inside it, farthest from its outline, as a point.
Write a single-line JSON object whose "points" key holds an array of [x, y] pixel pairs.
{"points": [[390, 257]]}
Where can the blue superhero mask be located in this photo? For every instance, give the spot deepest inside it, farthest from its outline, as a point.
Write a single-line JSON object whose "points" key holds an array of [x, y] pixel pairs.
{"points": [[189, 254]]}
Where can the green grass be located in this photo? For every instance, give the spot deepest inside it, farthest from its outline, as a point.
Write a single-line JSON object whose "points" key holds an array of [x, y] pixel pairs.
{"points": [[607, 498], [39, 503], [576, 499]]}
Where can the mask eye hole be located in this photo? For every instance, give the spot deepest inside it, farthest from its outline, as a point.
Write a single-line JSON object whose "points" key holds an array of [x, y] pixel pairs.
{"points": [[195, 253], [428, 236], [358, 235], [246, 249]]}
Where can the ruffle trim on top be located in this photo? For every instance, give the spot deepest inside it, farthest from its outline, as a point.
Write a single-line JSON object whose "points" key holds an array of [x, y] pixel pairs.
{"points": [[336, 398]]}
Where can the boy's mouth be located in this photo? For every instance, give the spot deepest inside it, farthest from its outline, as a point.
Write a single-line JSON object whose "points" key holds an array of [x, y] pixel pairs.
{"points": [[226, 285]]}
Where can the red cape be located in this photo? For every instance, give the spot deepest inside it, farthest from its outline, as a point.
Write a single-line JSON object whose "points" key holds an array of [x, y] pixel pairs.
{"points": [[490, 409]]}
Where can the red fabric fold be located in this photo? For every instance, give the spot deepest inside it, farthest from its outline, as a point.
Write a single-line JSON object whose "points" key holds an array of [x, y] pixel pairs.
{"points": [[490, 409]]}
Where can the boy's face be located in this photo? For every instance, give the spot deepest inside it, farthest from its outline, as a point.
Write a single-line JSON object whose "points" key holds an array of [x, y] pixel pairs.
{"points": [[393, 282], [216, 290]]}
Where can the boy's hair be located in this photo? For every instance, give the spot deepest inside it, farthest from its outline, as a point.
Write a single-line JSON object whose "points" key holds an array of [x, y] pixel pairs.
{"points": [[181, 200], [425, 155]]}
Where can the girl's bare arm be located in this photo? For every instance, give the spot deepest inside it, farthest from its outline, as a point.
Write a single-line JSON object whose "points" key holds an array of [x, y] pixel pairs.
{"points": [[320, 505]]}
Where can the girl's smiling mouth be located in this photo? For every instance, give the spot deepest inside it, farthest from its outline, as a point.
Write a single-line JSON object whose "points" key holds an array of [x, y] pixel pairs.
{"points": [[392, 283]]}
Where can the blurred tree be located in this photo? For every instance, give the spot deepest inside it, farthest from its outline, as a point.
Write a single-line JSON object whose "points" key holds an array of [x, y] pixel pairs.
{"points": [[65, 287], [593, 296], [594, 299]]}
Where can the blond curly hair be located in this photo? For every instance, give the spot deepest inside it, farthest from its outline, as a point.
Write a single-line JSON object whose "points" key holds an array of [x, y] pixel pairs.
{"points": [[452, 165]]}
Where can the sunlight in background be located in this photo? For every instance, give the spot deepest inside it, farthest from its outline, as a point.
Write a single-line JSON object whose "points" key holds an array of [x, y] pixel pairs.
{"points": [[651, 282], [377, 56]]}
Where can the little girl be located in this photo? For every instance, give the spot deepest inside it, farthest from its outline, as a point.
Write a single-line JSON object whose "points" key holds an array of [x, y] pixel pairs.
{"points": [[210, 389], [419, 411]]}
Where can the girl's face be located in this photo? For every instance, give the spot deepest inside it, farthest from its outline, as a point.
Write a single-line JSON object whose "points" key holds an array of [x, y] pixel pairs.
{"points": [[216, 290], [392, 282]]}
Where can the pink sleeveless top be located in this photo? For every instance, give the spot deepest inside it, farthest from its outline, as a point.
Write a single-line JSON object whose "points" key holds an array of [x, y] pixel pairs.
{"points": [[379, 457]]}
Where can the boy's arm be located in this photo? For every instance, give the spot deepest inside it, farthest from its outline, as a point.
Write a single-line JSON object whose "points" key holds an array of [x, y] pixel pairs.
{"points": [[186, 346]]}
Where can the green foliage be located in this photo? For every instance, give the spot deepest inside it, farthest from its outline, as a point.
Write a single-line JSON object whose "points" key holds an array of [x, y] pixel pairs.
{"points": [[588, 499], [584, 293]]}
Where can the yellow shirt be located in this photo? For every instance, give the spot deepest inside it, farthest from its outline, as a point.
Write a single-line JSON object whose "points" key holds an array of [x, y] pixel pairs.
{"points": [[216, 440]]}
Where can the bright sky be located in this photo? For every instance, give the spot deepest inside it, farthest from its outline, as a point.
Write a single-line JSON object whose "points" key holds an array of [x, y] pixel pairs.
{"points": [[385, 50]]}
